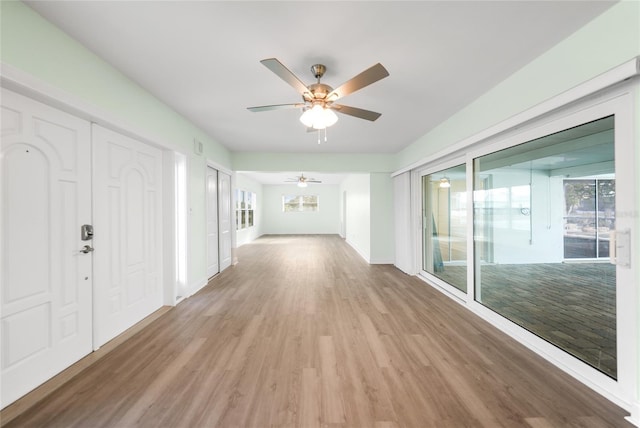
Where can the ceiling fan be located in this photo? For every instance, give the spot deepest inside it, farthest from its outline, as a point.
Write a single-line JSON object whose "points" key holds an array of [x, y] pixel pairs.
{"points": [[302, 180], [319, 98]]}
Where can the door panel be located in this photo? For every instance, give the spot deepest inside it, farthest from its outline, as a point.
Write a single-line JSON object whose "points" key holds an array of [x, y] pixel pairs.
{"points": [[128, 233], [46, 281], [213, 266], [224, 189]]}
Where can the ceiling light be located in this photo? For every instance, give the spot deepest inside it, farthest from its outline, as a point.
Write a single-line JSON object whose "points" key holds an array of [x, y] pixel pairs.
{"points": [[318, 117], [302, 184], [445, 183]]}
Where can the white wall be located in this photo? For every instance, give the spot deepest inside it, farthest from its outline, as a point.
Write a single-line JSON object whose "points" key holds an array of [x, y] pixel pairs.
{"points": [[244, 236], [403, 251], [358, 213], [381, 207], [325, 221]]}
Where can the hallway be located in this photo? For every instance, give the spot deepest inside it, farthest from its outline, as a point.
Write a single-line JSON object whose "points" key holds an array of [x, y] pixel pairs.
{"points": [[302, 332]]}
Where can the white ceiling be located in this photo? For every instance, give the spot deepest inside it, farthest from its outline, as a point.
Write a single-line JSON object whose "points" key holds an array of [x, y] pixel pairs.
{"points": [[280, 178], [202, 59]]}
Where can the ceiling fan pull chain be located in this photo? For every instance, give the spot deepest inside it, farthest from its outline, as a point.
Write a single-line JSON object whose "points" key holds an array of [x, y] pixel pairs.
{"points": [[318, 132], [325, 135]]}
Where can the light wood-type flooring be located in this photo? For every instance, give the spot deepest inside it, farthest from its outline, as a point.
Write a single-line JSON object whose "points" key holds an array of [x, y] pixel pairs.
{"points": [[303, 333]]}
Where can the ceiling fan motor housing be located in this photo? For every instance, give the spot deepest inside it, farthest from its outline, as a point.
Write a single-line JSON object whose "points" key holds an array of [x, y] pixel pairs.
{"points": [[319, 91]]}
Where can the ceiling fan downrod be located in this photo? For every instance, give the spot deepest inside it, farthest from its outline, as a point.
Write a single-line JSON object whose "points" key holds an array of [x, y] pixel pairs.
{"points": [[318, 71]]}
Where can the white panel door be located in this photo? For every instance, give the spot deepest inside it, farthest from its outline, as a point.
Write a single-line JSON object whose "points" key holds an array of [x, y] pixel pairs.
{"points": [[128, 232], [213, 266], [45, 161], [224, 191]]}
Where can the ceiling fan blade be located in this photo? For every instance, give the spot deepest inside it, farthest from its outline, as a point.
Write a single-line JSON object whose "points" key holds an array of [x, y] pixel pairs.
{"points": [[366, 78], [356, 112], [314, 181], [285, 74], [275, 107]]}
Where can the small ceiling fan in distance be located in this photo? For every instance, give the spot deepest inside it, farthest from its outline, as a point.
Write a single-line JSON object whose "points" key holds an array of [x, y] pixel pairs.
{"points": [[319, 99], [302, 180]]}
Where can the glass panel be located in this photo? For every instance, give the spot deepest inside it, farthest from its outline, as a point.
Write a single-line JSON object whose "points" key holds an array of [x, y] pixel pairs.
{"points": [[310, 203], [300, 203], [290, 203], [444, 242], [536, 205]]}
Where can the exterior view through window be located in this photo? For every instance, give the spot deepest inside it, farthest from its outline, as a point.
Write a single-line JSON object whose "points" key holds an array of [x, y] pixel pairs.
{"points": [[543, 214], [245, 206], [300, 203]]}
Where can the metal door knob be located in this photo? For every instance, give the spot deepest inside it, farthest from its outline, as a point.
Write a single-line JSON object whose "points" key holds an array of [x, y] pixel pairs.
{"points": [[86, 249]]}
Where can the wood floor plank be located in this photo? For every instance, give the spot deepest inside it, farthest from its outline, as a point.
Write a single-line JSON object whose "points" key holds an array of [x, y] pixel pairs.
{"points": [[331, 398], [303, 333]]}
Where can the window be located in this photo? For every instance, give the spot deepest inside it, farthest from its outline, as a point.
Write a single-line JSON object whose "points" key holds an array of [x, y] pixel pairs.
{"points": [[589, 217], [536, 205], [245, 206], [300, 203]]}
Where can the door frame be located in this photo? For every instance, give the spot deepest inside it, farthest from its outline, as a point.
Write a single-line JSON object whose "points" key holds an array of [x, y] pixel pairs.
{"points": [[420, 226], [208, 212]]}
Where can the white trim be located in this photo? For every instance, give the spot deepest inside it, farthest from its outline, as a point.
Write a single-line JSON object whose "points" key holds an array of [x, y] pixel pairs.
{"points": [[440, 285], [634, 418], [382, 261], [219, 167], [196, 286], [366, 259], [609, 78]]}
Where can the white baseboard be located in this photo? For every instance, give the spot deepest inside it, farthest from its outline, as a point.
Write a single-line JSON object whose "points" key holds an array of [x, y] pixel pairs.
{"points": [[361, 253], [634, 418], [196, 286], [382, 261]]}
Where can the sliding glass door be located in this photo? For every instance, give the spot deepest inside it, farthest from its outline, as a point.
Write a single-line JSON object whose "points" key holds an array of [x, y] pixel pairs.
{"points": [[536, 205], [444, 231]]}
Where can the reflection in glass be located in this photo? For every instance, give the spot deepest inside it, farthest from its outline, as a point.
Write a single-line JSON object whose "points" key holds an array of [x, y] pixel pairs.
{"points": [[536, 205], [589, 217], [445, 225]]}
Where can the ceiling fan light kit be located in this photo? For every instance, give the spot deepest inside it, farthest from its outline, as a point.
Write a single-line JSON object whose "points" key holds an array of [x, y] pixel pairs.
{"points": [[319, 98], [318, 117]]}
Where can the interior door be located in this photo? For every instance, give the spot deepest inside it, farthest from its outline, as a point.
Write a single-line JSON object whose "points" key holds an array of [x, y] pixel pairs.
{"points": [[224, 191], [46, 279], [213, 266], [128, 237]]}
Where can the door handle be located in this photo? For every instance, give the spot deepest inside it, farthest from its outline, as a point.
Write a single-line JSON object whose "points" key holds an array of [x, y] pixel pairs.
{"points": [[86, 249]]}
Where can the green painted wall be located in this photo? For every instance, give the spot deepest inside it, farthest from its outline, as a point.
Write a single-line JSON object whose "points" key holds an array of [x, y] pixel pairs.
{"points": [[32, 44], [319, 162], [382, 231], [606, 42]]}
